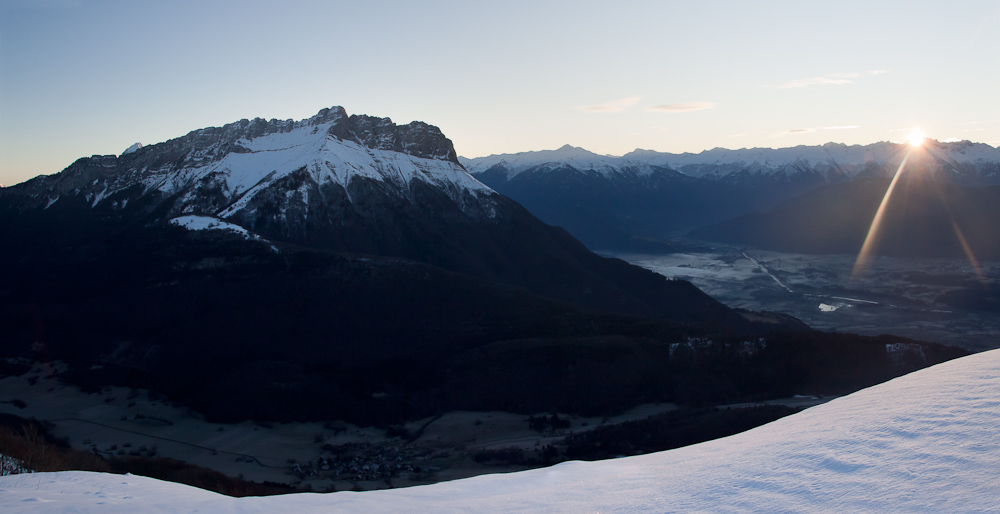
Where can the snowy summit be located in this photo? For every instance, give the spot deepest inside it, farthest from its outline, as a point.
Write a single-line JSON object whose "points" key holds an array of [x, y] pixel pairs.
{"points": [[926, 442], [277, 178], [134, 147]]}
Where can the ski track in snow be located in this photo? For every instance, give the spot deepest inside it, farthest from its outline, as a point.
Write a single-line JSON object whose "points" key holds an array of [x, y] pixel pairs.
{"points": [[925, 442]]}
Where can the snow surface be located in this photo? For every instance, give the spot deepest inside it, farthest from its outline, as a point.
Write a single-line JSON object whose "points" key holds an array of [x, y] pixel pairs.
{"points": [[925, 442]]}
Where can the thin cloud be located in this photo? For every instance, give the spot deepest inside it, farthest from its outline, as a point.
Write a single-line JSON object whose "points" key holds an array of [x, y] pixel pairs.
{"points": [[613, 106], [830, 79], [816, 81], [976, 122], [682, 107], [793, 132], [812, 130]]}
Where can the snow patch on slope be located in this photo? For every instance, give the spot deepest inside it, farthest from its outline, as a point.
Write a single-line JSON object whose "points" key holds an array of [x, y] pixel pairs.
{"points": [[926, 442], [195, 222]]}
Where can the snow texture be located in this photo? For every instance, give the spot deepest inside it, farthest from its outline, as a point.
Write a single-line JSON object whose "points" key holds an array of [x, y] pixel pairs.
{"points": [[926, 442]]}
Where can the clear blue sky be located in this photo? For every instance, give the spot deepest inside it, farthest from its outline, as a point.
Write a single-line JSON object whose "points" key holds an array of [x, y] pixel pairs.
{"points": [[81, 77]]}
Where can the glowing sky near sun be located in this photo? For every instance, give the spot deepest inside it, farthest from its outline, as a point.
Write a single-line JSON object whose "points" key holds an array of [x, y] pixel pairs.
{"points": [[81, 77]]}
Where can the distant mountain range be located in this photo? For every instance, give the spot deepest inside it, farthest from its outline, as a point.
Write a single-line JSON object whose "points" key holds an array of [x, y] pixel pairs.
{"points": [[630, 202]]}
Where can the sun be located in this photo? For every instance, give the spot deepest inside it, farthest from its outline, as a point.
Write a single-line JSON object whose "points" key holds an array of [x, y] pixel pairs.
{"points": [[916, 137]]}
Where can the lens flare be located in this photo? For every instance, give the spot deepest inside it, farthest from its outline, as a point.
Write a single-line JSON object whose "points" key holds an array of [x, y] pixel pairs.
{"points": [[873, 230], [916, 137], [961, 239]]}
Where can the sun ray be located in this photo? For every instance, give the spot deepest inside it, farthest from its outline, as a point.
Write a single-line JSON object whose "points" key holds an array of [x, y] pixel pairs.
{"points": [[867, 248], [968, 253], [873, 229], [961, 238]]}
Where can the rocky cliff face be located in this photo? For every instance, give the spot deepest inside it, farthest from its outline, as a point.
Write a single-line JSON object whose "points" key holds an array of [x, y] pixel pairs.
{"points": [[417, 138]]}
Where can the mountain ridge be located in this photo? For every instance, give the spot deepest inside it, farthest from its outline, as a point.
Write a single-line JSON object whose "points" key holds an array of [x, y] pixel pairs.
{"points": [[961, 156], [213, 161], [639, 201]]}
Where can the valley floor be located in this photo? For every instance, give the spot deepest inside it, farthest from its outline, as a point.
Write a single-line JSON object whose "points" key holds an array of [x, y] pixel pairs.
{"points": [[947, 301], [119, 422]]}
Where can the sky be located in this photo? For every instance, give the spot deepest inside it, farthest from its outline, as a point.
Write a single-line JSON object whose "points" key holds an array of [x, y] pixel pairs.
{"points": [[82, 77]]}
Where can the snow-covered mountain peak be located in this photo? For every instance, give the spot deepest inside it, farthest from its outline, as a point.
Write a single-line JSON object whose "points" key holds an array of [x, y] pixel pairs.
{"points": [[566, 155], [134, 147], [222, 171]]}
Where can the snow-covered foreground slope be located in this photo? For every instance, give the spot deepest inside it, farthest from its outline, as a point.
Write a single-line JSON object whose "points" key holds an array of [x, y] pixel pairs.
{"points": [[926, 442]]}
